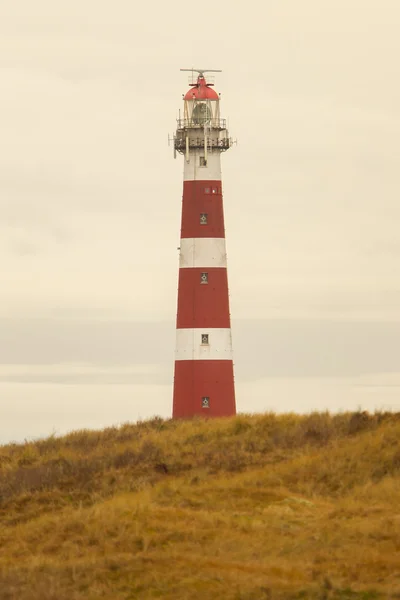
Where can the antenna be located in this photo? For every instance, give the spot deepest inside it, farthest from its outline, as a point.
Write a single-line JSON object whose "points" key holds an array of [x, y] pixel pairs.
{"points": [[202, 71]]}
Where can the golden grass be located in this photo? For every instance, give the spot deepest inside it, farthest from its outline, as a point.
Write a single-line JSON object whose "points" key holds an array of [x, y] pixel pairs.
{"points": [[248, 508]]}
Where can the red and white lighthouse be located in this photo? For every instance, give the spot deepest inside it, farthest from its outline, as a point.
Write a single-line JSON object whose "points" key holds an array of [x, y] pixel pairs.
{"points": [[204, 376]]}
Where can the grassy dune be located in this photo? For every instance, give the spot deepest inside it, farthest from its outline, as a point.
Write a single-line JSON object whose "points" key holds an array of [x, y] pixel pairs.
{"points": [[249, 508]]}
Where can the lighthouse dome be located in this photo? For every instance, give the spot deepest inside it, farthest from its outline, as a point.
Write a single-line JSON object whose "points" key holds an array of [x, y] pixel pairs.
{"points": [[201, 91]]}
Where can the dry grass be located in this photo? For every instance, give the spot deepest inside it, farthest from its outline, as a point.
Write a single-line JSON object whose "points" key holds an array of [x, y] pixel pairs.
{"points": [[249, 508]]}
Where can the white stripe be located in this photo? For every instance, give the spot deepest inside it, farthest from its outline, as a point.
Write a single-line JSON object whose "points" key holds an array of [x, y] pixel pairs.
{"points": [[189, 344], [192, 170], [202, 252]]}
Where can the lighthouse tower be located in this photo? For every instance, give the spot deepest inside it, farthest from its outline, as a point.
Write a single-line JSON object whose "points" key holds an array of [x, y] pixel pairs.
{"points": [[204, 378]]}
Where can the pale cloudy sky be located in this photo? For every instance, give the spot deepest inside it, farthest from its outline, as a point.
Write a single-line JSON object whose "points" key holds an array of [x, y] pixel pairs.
{"points": [[90, 200]]}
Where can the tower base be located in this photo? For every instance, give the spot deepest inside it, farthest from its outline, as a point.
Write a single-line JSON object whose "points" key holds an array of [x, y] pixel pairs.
{"points": [[204, 388]]}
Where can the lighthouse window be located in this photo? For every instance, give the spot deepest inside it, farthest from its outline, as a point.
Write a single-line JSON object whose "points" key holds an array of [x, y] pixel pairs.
{"points": [[204, 339], [204, 278], [215, 190], [207, 190], [203, 218], [205, 402], [203, 161]]}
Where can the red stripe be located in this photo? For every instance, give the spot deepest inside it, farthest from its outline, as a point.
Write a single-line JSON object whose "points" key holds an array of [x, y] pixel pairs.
{"points": [[200, 304], [202, 197], [195, 379]]}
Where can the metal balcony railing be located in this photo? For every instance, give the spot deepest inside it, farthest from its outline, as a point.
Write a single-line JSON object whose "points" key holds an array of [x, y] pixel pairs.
{"points": [[221, 145], [192, 79], [200, 123]]}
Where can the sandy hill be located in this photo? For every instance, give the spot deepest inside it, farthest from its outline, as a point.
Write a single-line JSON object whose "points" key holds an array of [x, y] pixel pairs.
{"points": [[248, 508]]}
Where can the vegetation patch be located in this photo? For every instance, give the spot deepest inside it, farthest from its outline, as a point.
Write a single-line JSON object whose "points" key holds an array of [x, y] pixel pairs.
{"points": [[248, 508]]}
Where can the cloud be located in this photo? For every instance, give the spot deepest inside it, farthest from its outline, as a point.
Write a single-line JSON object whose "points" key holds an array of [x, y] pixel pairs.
{"points": [[86, 374]]}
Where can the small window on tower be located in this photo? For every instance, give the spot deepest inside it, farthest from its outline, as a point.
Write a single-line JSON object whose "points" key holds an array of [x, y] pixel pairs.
{"points": [[204, 339], [204, 278], [214, 190], [207, 190], [203, 161], [203, 218], [205, 402]]}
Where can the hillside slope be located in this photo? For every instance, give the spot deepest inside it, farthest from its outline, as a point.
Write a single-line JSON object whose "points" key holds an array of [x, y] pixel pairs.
{"points": [[248, 508]]}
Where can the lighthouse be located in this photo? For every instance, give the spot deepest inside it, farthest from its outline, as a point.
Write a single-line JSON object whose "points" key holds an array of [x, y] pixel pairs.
{"points": [[204, 374]]}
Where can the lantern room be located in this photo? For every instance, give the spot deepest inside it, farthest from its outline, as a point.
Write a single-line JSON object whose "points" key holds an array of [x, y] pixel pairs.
{"points": [[201, 105], [201, 126]]}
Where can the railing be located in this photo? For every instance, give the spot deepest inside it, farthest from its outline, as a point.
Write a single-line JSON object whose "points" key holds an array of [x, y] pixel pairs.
{"points": [[199, 123], [222, 145], [192, 79]]}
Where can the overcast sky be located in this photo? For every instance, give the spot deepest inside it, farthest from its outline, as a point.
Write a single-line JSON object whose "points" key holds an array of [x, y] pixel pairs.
{"points": [[90, 200]]}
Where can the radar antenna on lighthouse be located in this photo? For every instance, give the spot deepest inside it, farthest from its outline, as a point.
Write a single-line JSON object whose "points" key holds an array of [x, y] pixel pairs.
{"points": [[204, 375], [202, 71], [193, 78]]}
